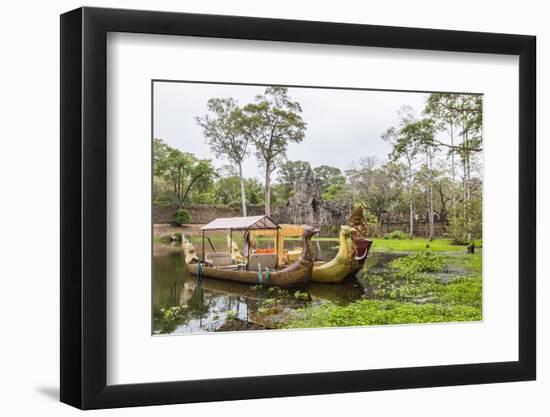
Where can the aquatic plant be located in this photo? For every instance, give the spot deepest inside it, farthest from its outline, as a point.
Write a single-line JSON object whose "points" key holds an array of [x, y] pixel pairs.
{"points": [[466, 291], [376, 312], [424, 261], [301, 295], [172, 317]]}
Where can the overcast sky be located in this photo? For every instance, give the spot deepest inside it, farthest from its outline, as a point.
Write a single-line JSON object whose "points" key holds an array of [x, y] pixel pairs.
{"points": [[342, 125]]}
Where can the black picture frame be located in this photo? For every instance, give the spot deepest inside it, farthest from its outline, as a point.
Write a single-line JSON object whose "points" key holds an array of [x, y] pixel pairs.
{"points": [[84, 207]]}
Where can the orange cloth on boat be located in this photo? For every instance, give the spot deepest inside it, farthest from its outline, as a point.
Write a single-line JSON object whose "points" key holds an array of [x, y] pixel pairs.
{"points": [[267, 250]]}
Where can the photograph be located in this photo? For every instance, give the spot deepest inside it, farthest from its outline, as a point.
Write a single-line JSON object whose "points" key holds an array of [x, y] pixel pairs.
{"points": [[296, 207]]}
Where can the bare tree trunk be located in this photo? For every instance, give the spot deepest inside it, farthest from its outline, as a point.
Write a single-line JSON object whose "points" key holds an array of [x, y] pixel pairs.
{"points": [[466, 180], [189, 187], [411, 218], [411, 207], [243, 196], [267, 196], [430, 196], [467, 184], [453, 175]]}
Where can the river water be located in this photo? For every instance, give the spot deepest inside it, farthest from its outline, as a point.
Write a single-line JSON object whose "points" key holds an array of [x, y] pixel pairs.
{"points": [[183, 305]]}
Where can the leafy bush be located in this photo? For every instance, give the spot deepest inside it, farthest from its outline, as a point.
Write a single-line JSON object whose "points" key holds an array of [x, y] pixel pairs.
{"points": [[423, 261], [396, 235], [182, 217]]}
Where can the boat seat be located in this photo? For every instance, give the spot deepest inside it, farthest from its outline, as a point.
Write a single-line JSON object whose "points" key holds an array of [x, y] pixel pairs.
{"points": [[219, 259], [266, 260]]}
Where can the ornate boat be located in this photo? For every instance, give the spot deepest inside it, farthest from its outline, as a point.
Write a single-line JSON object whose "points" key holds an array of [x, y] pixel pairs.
{"points": [[359, 254], [296, 274], [340, 266], [350, 257], [360, 245]]}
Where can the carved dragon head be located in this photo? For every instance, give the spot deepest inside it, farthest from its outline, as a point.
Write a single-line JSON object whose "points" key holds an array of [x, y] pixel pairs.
{"points": [[347, 230]]}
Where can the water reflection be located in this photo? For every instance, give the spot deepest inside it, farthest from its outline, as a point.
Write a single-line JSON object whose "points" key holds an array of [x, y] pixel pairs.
{"points": [[184, 304]]}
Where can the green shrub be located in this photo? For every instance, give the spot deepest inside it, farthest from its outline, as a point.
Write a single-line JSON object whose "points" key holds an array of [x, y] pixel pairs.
{"points": [[423, 261], [396, 235], [182, 217]]}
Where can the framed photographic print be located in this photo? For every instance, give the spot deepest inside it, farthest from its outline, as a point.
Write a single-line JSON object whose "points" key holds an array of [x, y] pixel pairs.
{"points": [[257, 208]]}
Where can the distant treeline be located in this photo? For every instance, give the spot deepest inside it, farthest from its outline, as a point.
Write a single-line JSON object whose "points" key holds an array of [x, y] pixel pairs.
{"points": [[432, 173]]}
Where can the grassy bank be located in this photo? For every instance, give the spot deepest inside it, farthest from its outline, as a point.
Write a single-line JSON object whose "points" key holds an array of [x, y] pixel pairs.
{"points": [[418, 244], [412, 293]]}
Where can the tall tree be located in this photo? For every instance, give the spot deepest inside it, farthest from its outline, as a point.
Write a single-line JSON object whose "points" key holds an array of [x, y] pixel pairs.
{"points": [[421, 134], [376, 188], [403, 148], [332, 179], [223, 131], [272, 122], [291, 173], [437, 107], [183, 170], [465, 112]]}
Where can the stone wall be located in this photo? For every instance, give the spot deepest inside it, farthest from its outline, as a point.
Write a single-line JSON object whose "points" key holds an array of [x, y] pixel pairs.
{"points": [[421, 228], [204, 213], [326, 214], [199, 213]]}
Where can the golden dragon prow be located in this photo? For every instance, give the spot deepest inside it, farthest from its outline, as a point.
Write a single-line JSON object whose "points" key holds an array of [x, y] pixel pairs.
{"points": [[337, 269]]}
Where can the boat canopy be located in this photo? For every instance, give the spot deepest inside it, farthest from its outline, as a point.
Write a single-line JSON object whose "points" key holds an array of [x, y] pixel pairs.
{"points": [[287, 230], [242, 223]]}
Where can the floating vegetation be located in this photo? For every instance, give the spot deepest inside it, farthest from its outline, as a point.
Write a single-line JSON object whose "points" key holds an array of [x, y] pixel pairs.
{"points": [[377, 312]]}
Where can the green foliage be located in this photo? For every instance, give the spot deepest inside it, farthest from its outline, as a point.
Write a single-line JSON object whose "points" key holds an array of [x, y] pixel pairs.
{"points": [[179, 173], [227, 190], [182, 217], [377, 188], [223, 129], [272, 122], [471, 262], [301, 295], [415, 245], [396, 235], [462, 227], [461, 291], [423, 261], [292, 173], [413, 288], [333, 182], [414, 294], [172, 317], [375, 312]]}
